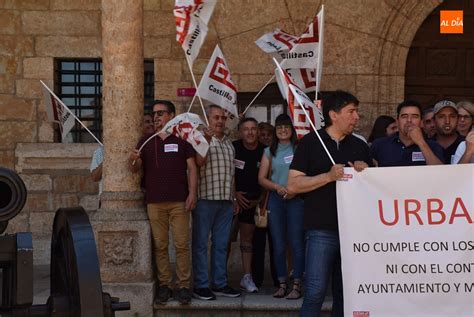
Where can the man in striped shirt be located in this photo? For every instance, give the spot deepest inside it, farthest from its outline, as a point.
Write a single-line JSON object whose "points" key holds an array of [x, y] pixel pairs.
{"points": [[214, 210]]}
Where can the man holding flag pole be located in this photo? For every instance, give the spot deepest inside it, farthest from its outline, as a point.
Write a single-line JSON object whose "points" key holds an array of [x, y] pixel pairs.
{"points": [[318, 163], [170, 172]]}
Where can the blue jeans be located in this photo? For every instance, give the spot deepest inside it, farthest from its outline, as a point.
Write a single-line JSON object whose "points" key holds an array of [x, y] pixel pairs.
{"points": [[215, 217], [285, 220], [323, 257]]}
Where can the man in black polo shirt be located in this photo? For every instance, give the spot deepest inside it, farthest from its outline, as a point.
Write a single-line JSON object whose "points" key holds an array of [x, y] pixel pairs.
{"points": [[313, 174], [408, 147], [446, 121]]}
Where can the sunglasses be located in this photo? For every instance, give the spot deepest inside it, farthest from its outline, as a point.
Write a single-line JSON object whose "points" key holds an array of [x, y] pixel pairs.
{"points": [[159, 113]]}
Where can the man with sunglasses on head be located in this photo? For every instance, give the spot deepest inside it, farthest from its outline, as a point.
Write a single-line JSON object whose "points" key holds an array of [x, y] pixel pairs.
{"points": [[214, 210], [169, 166]]}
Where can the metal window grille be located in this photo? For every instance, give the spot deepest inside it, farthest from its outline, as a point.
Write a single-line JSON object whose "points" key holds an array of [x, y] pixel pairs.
{"points": [[79, 85]]}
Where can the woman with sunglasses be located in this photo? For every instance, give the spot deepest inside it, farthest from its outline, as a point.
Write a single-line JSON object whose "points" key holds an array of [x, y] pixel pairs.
{"points": [[285, 215]]}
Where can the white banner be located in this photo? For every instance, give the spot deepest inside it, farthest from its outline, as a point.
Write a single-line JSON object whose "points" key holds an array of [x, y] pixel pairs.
{"points": [[407, 244], [192, 17], [216, 84], [277, 43], [57, 113], [185, 126]]}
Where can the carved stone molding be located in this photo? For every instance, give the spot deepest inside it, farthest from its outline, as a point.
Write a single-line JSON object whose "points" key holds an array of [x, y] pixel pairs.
{"points": [[117, 248]]}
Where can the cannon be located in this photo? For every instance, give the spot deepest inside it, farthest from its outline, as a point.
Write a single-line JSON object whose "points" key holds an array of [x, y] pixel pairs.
{"points": [[75, 282]]}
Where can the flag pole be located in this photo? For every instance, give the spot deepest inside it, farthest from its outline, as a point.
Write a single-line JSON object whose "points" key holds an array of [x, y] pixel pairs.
{"points": [[319, 71], [315, 130], [192, 101], [197, 90], [67, 109], [306, 114], [258, 94]]}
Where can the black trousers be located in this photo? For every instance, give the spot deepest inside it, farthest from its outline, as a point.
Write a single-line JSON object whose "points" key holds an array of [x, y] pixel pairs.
{"points": [[258, 256]]}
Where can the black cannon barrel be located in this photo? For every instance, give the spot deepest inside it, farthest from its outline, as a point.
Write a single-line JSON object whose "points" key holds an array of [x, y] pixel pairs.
{"points": [[12, 196], [120, 306]]}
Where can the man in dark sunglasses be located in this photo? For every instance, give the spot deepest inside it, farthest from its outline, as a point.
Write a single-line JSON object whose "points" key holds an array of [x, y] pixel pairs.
{"points": [[162, 113], [170, 175]]}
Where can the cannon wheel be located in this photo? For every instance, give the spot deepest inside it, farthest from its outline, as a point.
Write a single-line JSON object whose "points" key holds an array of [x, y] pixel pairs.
{"points": [[76, 287], [12, 196]]}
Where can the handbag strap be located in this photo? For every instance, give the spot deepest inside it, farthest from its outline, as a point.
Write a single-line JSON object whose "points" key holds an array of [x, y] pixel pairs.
{"points": [[267, 193]]}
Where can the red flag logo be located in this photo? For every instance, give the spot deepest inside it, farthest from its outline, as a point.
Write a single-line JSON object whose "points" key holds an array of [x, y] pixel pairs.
{"points": [[220, 73]]}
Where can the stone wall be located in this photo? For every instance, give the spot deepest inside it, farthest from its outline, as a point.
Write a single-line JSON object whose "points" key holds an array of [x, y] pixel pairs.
{"points": [[56, 176], [366, 44]]}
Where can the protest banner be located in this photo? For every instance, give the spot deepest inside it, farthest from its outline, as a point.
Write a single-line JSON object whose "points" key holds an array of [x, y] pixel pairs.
{"points": [[406, 236]]}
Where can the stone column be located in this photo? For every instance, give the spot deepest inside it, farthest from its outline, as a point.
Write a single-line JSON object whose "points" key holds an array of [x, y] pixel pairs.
{"points": [[121, 225]]}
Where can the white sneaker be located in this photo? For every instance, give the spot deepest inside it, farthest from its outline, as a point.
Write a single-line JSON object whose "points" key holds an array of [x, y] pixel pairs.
{"points": [[247, 285]]}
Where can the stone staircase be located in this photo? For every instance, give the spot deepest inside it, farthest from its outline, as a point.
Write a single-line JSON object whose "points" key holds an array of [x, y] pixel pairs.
{"points": [[248, 305], [261, 304]]}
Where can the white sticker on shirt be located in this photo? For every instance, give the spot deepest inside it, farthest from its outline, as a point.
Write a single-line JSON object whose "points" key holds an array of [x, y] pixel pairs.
{"points": [[417, 157], [288, 159], [239, 164], [171, 148]]}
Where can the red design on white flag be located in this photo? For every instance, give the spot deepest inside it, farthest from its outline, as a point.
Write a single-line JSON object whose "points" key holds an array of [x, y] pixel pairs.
{"points": [[57, 113], [296, 99], [185, 126], [191, 18], [278, 43], [216, 84], [300, 118], [304, 78], [306, 52]]}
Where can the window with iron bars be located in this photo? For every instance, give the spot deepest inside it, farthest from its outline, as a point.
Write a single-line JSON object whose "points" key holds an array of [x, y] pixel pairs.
{"points": [[79, 85]]}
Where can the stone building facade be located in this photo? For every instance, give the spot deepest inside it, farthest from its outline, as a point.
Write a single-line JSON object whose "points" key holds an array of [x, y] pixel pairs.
{"points": [[365, 52]]}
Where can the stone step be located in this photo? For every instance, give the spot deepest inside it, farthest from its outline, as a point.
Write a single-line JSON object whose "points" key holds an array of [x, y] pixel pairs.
{"points": [[248, 305]]}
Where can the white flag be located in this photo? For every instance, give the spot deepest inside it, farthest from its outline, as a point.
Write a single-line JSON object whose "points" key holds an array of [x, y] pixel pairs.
{"points": [[185, 126], [278, 43], [300, 120], [304, 78], [297, 99], [216, 84], [57, 113], [305, 53], [192, 17]]}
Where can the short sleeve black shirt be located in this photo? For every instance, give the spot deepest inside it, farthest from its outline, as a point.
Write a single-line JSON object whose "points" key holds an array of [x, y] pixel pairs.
{"points": [[247, 164], [320, 205]]}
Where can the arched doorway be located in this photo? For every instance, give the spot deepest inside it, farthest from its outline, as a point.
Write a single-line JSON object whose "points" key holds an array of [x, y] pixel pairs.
{"points": [[441, 66]]}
